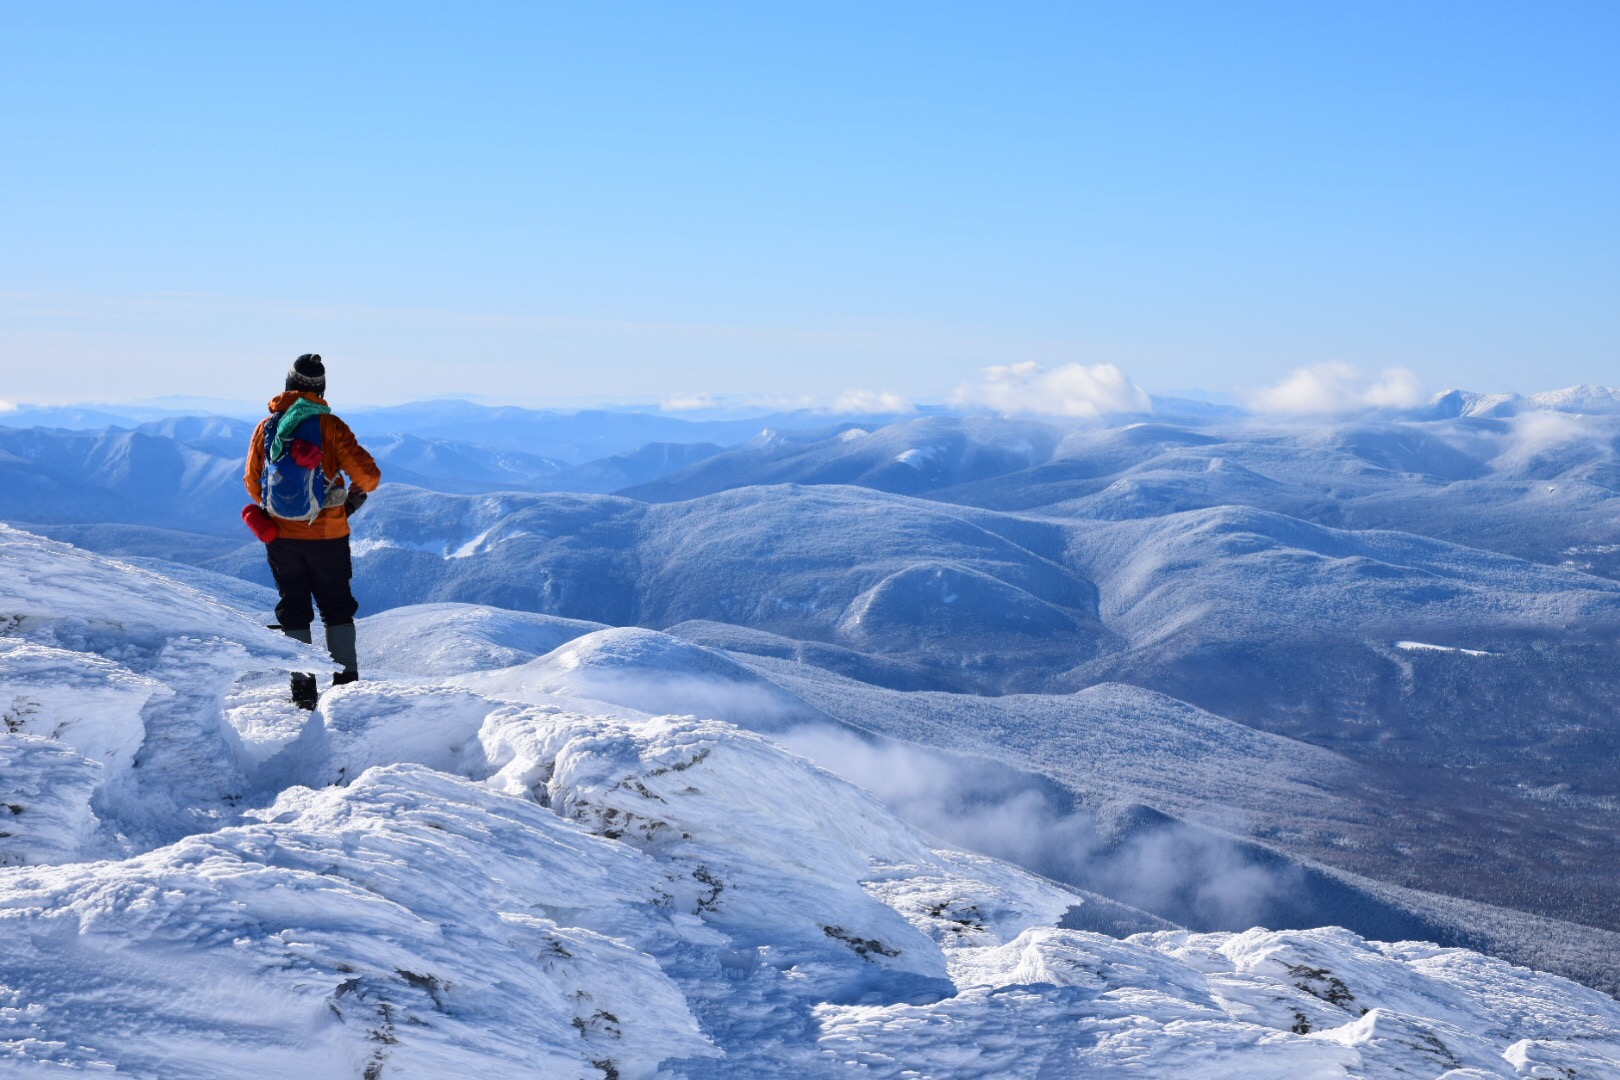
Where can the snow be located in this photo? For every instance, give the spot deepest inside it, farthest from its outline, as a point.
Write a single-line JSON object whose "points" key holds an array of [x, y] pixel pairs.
{"points": [[649, 671], [471, 547], [400, 922], [45, 791], [1419, 646], [1580, 399], [453, 639], [54, 591], [1258, 1004], [454, 549], [919, 457], [499, 873]]}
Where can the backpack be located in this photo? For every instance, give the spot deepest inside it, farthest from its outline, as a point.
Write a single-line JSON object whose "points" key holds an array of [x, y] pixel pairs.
{"points": [[294, 486]]}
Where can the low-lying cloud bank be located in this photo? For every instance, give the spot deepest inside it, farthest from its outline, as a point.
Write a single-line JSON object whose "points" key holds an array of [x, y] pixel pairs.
{"points": [[1335, 387], [871, 402], [855, 402], [1069, 390], [1190, 876]]}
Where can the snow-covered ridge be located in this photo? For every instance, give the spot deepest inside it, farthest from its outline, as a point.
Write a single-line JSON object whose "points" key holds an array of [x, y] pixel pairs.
{"points": [[427, 879], [1585, 399]]}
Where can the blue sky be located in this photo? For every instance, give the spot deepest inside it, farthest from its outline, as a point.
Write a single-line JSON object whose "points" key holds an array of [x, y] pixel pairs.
{"points": [[554, 203]]}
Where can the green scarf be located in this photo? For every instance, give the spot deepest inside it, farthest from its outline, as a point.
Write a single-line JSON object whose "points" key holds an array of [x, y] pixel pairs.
{"points": [[296, 414]]}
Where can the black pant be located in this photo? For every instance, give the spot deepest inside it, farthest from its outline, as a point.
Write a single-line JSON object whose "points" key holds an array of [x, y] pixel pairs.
{"points": [[312, 568]]}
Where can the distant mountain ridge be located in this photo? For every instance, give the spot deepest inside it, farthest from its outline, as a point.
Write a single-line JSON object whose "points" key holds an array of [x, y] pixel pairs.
{"points": [[1585, 398]]}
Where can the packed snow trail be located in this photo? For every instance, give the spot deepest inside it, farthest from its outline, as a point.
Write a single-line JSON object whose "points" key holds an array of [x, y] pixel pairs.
{"points": [[428, 880]]}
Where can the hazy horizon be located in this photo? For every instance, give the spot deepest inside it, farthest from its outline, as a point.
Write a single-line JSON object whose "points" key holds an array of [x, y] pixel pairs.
{"points": [[1308, 386]]}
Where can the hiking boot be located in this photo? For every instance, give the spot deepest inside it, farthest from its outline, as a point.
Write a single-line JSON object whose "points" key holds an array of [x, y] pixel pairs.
{"points": [[343, 678], [340, 643], [304, 691]]}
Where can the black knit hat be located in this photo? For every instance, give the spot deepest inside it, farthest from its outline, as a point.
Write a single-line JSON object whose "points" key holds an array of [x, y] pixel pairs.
{"points": [[307, 373]]}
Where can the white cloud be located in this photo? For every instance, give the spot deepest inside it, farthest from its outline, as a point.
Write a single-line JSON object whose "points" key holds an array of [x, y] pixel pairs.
{"points": [[1542, 430], [871, 401], [700, 402], [688, 404], [1070, 390], [1336, 387], [850, 401], [6, 406], [1180, 871]]}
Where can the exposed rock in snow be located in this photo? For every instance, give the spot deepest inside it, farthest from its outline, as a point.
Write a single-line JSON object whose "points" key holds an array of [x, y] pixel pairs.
{"points": [[1260, 1004]]}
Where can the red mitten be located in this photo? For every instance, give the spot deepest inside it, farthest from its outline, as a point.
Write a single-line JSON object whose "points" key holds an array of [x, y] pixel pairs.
{"points": [[262, 524], [307, 455]]}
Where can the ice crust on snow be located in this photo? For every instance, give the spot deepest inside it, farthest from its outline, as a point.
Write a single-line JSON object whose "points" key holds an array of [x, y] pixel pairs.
{"points": [[507, 874]]}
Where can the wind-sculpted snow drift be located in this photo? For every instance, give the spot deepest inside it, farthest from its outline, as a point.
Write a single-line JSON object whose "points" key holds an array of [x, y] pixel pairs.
{"points": [[428, 878]]}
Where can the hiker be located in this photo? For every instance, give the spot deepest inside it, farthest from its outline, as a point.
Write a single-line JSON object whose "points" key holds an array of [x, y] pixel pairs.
{"points": [[296, 466]]}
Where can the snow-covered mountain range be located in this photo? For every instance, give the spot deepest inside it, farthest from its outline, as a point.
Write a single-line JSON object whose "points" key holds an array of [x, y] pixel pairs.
{"points": [[1111, 694], [504, 869]]}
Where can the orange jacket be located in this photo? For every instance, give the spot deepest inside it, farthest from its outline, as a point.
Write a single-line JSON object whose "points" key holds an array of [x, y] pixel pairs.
{"points": [[340, 453]]}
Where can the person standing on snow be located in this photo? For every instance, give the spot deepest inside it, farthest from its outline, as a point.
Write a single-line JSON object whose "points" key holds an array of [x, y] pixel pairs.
{"points": [[296, 466]]}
